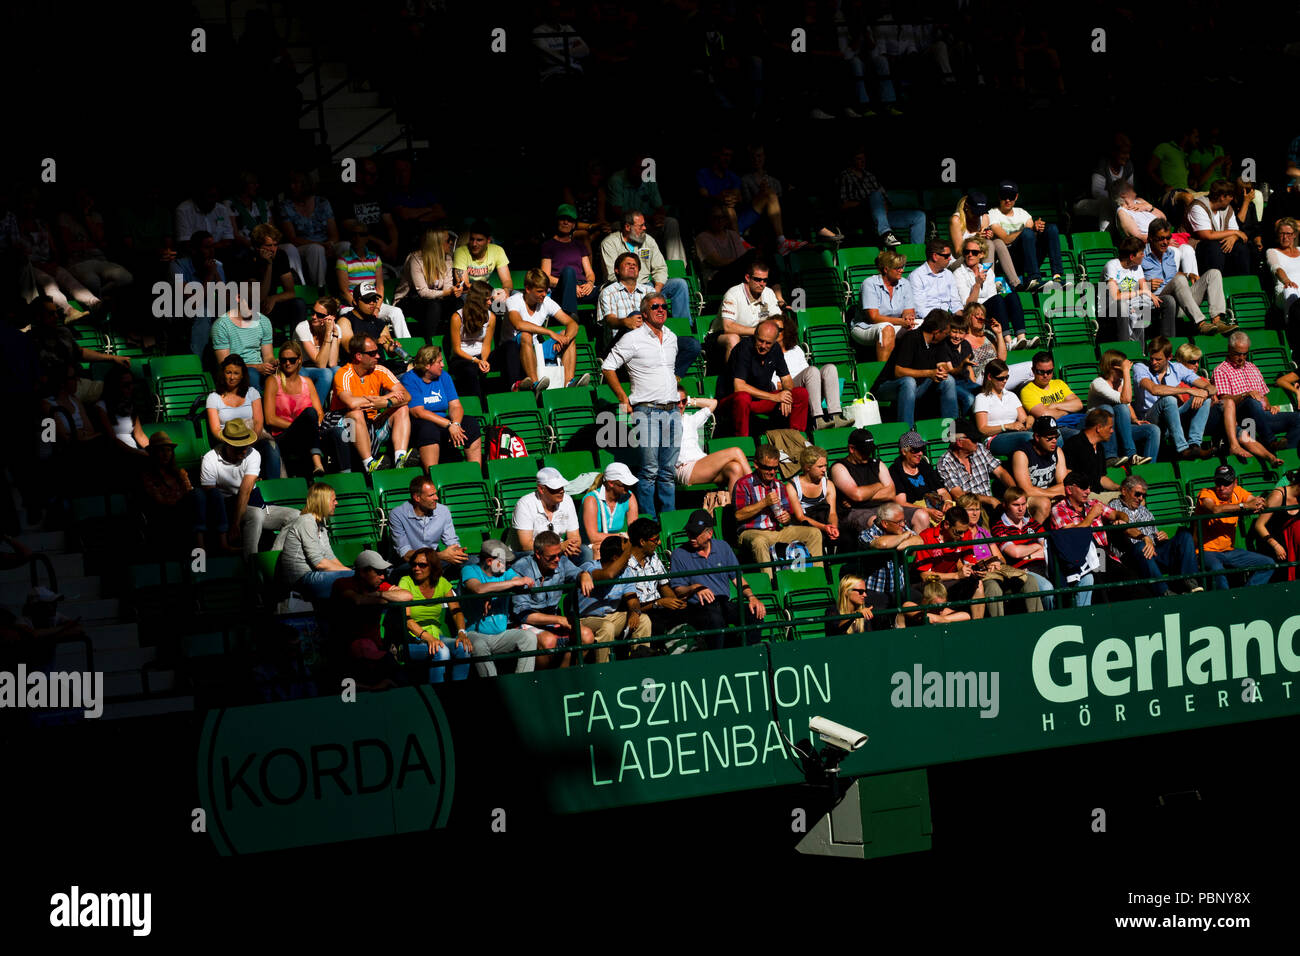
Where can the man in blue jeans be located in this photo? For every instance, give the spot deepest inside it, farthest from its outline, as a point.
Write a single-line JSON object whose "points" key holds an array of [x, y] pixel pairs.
{"points": [[1025, 237], [917, 366], [1168, 393], [1227, 501], [650, 354], [1151, 552]]}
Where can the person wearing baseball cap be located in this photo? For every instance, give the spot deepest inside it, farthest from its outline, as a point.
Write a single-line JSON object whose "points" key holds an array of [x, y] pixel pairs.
{"points": [[1227, 501], [862, 484], [1024, 235], [1039, 468], [358, 613], [371, 316], [1286, 545], [916, 479], [567, 264], [708, 591], [610, 507], [228, 485], [487, 589], [549, 508]]}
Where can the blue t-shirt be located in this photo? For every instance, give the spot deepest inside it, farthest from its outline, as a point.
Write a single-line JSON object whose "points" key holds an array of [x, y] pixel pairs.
{"points": [[435, 396], [714, 184], [720, 556], [605, 597], [487, 615]]}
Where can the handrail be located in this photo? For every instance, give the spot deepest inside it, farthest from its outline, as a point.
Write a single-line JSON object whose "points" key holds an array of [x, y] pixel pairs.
{"points": [[356, 136]]}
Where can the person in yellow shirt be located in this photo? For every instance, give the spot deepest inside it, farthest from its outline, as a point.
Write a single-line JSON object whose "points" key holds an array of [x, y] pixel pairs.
{"points": [[1047, 397], [1227, 501]]}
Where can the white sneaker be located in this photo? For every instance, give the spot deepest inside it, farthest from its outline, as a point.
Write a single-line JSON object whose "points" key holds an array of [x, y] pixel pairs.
{"points": [[820, 114], [851, 113]]}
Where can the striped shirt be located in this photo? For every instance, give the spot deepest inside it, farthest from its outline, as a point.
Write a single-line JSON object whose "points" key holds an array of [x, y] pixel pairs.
{"points": [[977, 481], [359, 268], [646, 591], [880, 579], [617, 301]]}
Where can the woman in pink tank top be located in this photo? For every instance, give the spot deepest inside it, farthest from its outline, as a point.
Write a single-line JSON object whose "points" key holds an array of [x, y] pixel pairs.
{"points": [[293, 411]]}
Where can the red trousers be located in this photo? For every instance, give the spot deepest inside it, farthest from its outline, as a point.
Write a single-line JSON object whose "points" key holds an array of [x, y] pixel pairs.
{"points": [[742, 405]]}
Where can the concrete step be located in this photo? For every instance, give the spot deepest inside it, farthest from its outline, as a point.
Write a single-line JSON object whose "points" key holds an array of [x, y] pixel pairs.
{"points": [[147, 707], [72, 657], [112, 637], [13, 592]]}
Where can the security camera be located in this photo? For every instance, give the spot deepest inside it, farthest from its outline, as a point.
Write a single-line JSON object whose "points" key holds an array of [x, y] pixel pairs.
{"points": [[837, 735]]}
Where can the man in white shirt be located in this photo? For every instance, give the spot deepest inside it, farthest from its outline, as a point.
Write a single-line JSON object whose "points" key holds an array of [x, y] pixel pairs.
{"points": [[528, 312], [620, 307], [228, 482], [933, 284], [650, 354], [549, 508], [1128, 299], [1220, 242], [744, 306]]}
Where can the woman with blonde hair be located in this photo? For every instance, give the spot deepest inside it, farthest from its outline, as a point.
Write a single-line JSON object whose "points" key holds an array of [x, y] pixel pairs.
{"points": [[427, 291], [1284, 264], [976, 285], [812, 497], [307, 563], [438, 420], [971, 218], [853, 598], [470, 339]]}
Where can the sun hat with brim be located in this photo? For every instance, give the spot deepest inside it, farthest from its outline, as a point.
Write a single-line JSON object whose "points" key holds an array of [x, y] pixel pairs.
{"points": [[237, 433]]}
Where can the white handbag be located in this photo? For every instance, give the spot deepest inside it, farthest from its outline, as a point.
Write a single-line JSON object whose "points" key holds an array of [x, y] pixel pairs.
{"points": [[865, 411]]}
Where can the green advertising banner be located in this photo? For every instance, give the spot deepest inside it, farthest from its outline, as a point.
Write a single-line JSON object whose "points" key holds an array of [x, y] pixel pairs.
{"points": [[666, 728]]}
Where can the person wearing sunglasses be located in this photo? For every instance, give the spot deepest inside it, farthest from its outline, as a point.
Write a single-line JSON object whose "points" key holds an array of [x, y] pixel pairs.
{"points": [[933, 284], [763, 510], [746, 305], [430, 624], [1151, 552], [367, 406], [1245, 398], [323, 335], [853, 598], [1228, 501], [293, 410], [1046, 396], [1024, 236]]}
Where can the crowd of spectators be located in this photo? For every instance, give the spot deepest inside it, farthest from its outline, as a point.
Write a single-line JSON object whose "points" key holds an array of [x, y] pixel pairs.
{"points": [[370, 329]]}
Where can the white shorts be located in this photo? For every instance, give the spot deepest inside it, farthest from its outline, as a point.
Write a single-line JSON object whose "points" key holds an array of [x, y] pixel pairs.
{"points": [[684, 469], [867, 333]]}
